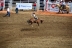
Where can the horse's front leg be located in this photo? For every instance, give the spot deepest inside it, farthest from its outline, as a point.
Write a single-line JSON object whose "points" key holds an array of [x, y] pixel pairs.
{"points": [[32, 24], [38, 23], [58, 11]]}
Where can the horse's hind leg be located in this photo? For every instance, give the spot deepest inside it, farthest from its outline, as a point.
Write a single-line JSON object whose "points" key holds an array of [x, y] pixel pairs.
{"points": [[67, 12], [41, 21]]}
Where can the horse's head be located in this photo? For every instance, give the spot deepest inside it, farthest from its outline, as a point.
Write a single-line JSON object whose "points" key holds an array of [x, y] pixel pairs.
{"points": [[30, 20], [57, 5]]}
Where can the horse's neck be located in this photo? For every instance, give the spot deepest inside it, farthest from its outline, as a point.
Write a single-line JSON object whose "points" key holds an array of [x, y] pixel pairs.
{"points": [[58, 5]]}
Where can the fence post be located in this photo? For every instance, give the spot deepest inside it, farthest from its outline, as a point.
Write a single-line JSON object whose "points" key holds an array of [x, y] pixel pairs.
{"points": [[4, 4], [38, 5], [10, 4]]}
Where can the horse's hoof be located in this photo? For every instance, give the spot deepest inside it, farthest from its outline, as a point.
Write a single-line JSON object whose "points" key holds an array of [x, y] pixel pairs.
{"points": [[32, 26], [58, 12], [38, 27]]}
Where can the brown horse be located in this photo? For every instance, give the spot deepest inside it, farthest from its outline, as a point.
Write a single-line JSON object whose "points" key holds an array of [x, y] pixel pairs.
{"points": [[32, 20]]}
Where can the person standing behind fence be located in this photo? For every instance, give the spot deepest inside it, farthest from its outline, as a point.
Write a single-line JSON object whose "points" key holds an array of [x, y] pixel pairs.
{"points": [[8, 12], [2, 4], [34, 5], [16, 10], [42, 6]]}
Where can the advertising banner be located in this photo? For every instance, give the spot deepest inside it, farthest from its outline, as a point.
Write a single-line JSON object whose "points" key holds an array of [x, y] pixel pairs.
{"points": [[51, 7], [24, 6]]}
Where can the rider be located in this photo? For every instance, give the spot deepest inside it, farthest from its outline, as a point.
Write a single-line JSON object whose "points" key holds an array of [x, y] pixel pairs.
{"points": [[35, 17], [62, 3]]}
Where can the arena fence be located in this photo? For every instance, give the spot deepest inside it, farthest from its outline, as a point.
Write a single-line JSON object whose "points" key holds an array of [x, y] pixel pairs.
{"points": [[41, 5]]}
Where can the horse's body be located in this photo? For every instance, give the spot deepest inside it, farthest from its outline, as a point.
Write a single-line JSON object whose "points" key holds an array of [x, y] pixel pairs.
{"points": [[67, 8], [32, 20]]}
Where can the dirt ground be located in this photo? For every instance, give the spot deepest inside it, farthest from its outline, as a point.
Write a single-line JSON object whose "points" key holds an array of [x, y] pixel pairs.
{"points": [[55, 32], [53, 13]]}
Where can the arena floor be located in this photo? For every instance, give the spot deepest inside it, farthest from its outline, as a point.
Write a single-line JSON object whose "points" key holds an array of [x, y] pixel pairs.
{"points": [[55, 32]]}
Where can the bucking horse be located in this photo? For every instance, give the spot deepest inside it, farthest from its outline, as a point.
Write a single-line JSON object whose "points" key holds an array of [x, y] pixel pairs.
{"points": [[32, 20], [66, 8]]}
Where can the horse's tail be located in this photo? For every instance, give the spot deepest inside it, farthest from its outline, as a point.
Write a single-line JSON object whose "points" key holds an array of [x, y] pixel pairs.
{"points": [[41, 21]]}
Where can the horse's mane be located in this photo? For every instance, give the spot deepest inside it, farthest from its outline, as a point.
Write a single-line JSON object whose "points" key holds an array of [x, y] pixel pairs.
{"points": [[59, 5]]}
